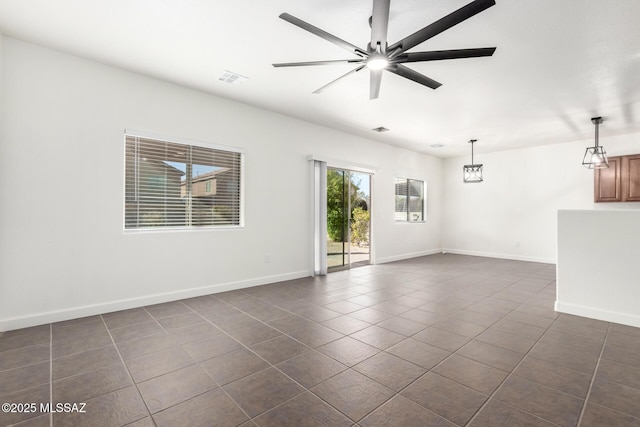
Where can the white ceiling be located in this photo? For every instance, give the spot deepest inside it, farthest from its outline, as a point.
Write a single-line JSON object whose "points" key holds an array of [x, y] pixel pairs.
{"points": [[557, 63]]}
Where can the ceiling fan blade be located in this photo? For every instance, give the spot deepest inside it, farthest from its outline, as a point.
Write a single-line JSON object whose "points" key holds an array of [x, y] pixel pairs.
{"points": [[331, 62], [379, 23], [438, 55], [322, 89], [408, 73], [374, 84], [441, 25], [323, 34]]}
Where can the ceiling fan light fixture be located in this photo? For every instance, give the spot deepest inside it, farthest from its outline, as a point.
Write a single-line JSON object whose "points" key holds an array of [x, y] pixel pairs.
{"points": [[377, 62], [595, 157]]}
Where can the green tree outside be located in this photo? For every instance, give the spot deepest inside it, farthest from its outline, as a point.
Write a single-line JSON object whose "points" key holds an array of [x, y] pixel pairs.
{"points": [[360, 226], [338, 189]]}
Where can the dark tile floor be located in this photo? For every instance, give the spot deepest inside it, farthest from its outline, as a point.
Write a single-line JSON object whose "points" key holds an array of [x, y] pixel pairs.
{"points": [[442, 340]]}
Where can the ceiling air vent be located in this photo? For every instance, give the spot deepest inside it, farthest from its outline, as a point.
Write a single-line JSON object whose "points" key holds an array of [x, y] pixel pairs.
{"points": [[232, 78], [380, 129]]}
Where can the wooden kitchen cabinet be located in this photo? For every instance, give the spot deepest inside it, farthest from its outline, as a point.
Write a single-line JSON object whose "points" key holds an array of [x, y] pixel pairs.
{"points": [[620, 182], [631, 178], [607, 185]]}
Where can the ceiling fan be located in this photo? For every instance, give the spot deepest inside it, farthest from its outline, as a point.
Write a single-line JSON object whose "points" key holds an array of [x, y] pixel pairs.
{"points": [[379, 56]]}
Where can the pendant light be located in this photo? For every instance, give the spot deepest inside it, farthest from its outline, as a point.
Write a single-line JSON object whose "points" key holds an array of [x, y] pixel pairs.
{"points": [[595, 157], [472, 172]]}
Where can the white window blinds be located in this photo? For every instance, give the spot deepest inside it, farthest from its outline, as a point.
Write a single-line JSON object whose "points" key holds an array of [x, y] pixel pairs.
{"points": [[170, 184], [409, 200]]}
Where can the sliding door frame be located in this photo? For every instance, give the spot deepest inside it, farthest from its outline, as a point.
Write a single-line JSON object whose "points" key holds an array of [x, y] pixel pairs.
{"points": [[318, 191], [347, 187]]}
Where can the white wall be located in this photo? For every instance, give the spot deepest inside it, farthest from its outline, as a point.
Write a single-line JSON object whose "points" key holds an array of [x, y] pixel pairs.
{"points": [[63, 253], [512, 214], [0, 79], [598, 252]]}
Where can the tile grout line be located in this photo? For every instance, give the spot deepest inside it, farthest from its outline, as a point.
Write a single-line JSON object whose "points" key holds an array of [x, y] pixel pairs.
{"points": [[595, 372], [51, 373], [126, 369], [65, 339]]}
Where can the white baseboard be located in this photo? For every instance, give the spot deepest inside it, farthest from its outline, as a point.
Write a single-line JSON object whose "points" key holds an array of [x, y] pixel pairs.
{"points": [[407, 256], [500, 255], [600, 314], [107, 307]]}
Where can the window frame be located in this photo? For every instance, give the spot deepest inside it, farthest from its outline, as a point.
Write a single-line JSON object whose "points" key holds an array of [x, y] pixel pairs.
{"points": [[399, 180], [129, 133]]}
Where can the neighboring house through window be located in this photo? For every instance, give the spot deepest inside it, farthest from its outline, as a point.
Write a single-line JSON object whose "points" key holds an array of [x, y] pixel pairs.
{"points": [[180, 185], [208, 185]]}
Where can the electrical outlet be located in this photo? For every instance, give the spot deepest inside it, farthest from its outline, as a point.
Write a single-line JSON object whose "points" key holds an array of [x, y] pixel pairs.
{"points": [[517, 244], [267, 258]]}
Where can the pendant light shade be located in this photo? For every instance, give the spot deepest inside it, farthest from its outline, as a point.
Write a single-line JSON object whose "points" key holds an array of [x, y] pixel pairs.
{"points": [[595, 157], [472, 173]]}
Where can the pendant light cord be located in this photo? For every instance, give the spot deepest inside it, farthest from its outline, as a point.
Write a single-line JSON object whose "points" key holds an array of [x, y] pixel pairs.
{"points": [[596, 121], [472, 142]]}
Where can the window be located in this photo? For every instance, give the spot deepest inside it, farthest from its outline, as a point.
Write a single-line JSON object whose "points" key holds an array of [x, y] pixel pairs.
{"points": [[409, 200], [173, 184]]}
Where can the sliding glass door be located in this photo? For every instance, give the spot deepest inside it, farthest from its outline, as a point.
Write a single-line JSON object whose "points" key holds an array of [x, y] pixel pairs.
{"points": [[348, 218]]}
